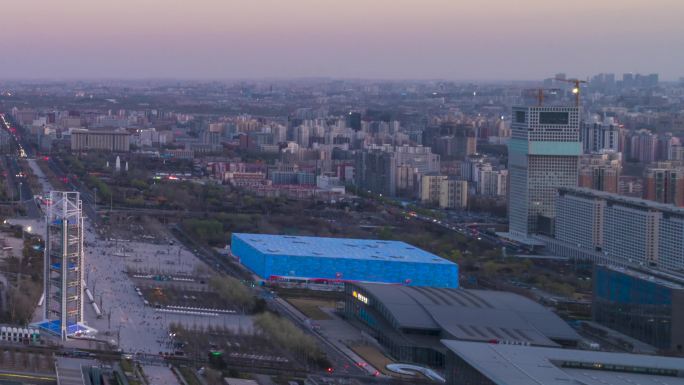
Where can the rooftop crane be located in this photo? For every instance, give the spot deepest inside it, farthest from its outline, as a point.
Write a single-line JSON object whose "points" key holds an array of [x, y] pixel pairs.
{"points": [[575, 89], [539, 93]]}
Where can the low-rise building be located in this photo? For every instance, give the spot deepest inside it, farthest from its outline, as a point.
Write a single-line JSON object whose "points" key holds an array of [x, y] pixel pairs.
{"points": [[341, 259], [448, 193], [90, 140], [410, 321], [619, 230], [644, 304], [476, 363]]}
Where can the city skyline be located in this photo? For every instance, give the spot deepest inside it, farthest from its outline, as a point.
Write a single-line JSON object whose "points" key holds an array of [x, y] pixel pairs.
{"points": [[437, 39], [260, 192]]}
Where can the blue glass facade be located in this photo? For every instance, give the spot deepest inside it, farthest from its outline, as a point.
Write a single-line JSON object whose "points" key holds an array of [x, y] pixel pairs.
{"points": [[619, 288], [648, 309]]}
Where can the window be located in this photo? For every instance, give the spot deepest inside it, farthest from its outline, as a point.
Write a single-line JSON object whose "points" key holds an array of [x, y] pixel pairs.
{"points": [[553, 118], [520, 116]]}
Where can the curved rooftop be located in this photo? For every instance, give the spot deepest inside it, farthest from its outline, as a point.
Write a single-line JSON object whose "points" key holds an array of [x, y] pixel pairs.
{"points": [[475, 315]]}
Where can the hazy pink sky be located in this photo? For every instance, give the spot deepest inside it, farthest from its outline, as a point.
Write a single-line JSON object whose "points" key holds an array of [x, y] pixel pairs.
{"points": [[453, 39]]}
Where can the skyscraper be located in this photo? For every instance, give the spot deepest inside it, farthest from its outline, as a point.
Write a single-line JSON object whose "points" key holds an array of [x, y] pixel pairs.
{"points": [[543, 155]]}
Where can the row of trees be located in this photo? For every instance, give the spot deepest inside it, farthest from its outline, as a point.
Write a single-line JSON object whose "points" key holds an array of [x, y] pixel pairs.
{"points": [[233, 291], [285, 334], [24, 278], [209, 231]]}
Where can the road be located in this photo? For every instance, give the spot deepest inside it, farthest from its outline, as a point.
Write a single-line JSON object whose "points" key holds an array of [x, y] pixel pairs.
{"points": [[133, 325], [12, 377], [111, 287], [336, 357], [22, 187], [14, 177], [470, 230], [151, 330]]}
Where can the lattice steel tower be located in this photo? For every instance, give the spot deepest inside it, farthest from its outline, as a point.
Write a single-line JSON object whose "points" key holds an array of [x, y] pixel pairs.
{"points": [[64, 261]]}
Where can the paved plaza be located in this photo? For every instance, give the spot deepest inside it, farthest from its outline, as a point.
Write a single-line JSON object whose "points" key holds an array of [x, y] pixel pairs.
{"points": [[141, 328], [127, 320]]}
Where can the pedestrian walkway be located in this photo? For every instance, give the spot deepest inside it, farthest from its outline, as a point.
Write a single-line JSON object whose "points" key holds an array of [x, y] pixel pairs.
{"points": [[160, 375]]}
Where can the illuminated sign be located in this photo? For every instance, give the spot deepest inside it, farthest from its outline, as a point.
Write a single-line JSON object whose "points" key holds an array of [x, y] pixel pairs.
{"points": [[360, 297]]}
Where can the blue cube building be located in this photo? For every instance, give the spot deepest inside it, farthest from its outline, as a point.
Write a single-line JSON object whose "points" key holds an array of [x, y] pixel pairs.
{"points": [[283, 256]]}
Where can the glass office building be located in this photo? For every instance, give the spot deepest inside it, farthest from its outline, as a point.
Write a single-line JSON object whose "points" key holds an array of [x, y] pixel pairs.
{"points": [[643, 304]]}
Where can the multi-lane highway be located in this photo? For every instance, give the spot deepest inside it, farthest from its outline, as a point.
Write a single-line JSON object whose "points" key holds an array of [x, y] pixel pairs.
{"points": [[15, 177], [338, 359]]}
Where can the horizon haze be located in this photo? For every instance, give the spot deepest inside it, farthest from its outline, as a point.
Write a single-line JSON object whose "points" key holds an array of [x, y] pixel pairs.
{"points": [[382, 39]]}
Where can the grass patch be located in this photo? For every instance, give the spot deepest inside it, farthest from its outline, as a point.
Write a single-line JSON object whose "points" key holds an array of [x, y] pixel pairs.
{"points": [[312, 307], [379, 361]]}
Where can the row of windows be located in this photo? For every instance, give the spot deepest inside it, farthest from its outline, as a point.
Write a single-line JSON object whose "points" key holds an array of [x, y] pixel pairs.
{"points": [[630, 234]]}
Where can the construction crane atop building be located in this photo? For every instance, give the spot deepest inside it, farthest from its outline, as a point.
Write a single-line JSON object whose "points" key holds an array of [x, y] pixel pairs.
{"points": [[575, 89], [539, 93]]}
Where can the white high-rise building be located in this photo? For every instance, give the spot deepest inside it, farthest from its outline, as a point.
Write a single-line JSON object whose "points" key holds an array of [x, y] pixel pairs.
{"points": [[543, 155], [490, 182]]}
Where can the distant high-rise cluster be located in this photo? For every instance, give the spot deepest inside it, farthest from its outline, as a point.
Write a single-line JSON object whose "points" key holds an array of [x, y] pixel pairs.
{"points": [[394, 170], [608, 82]]}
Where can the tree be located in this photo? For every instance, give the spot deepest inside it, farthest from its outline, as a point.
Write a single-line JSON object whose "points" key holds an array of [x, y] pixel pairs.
{"points": [[284, 333], [385, 233], [206, 230], [231, 290]]}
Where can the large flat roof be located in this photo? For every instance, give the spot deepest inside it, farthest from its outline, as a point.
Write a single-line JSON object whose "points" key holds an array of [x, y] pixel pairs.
{"points": [[524, 365], [625, 200], [474, 315], [342, 248]]}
